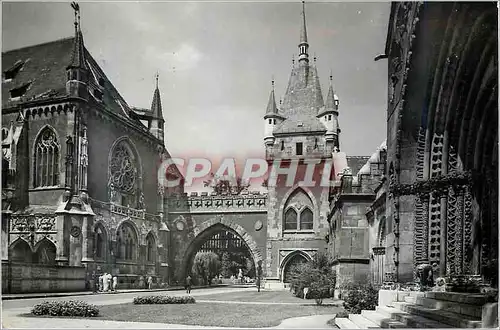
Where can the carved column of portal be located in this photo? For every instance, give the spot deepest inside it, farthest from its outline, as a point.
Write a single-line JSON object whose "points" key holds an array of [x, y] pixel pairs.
{"points": [[437, 222], [452, 233], [467, 231]]}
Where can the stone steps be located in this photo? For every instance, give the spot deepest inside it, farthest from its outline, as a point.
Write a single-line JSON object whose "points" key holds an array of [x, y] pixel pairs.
{"points": [[473, 311], [423, 310], [439, 315], [362, 322], [409, 320]]}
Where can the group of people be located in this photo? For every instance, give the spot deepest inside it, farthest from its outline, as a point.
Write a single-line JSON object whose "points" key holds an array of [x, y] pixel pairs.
{"points": [[105, 282]]}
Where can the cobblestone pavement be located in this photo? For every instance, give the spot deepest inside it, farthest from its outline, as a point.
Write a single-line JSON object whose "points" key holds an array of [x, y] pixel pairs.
{"points": [[11, 310]]}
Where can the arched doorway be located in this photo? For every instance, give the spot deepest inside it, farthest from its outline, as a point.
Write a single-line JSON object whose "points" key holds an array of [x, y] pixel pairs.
{"points": [[291, 262], [232, 251]]}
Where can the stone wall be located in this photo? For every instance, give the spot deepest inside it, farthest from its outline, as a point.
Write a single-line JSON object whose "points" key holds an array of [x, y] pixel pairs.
{"points": [[39, 278]]}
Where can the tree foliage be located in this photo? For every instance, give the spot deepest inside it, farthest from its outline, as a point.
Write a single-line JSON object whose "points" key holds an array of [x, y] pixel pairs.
{"points": [[221, 185], [317, 275], [226, 265], [206, 266]]}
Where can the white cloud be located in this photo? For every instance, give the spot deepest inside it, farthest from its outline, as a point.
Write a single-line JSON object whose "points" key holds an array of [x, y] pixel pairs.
{"points": [[185, 57]]}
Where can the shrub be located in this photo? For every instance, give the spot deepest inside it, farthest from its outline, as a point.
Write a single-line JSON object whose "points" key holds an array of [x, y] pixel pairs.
{"points": [[65, 308], [358, 297], [150, 300], [317, 275]]}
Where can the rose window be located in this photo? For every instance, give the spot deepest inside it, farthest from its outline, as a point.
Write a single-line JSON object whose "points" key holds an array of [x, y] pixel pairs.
{"points": [[123, 170]]}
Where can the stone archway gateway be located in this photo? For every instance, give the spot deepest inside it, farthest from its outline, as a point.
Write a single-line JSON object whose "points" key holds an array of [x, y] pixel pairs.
{"points": [[209, 228]]}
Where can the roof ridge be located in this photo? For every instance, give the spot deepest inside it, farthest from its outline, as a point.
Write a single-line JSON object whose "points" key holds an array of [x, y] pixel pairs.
{"points": [[40, 44]]}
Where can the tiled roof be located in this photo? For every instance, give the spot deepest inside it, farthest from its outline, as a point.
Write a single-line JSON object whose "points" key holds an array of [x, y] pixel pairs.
{"points": [[302, 102], [303, 95], [301, 124], [44, 69], [355, 163]]}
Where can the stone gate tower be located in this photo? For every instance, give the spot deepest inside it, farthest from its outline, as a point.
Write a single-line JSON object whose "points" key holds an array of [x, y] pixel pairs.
{"points": [[302, 130]]}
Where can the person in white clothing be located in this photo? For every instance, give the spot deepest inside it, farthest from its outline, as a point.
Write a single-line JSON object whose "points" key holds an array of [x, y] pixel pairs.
{"points": [[105, 282], [115, 282]]}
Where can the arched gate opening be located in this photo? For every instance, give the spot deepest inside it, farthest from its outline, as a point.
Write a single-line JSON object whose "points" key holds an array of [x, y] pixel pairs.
{"points": [[231, 249]]}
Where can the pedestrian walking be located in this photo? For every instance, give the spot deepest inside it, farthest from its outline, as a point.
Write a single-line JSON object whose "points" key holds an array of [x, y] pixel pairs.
{"points": [[115, 282], [95, 282], [188, 284], [150, 282]]}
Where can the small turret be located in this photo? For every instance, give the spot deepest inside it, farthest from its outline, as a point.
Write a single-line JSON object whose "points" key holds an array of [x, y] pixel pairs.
{"points": [[77, 70], [329, 117], [272, 118], [157, 121]]}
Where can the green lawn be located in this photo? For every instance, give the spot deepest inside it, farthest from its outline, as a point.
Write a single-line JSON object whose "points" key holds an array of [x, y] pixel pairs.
{"points": [[263, 296], [212, 314]]}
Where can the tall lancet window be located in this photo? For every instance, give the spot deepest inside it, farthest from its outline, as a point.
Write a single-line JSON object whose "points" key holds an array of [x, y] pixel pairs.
{"points": [[46, 159]]}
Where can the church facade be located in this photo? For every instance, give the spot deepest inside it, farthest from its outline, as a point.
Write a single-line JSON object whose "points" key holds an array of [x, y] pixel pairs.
{"points": [[79, 185]]}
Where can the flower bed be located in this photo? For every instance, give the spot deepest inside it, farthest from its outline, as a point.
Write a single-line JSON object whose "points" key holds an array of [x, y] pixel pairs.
{"points": [[150, 300], [65, 308]]}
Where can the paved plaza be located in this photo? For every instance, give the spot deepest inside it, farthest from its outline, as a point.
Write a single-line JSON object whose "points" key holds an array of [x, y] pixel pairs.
{"points": [[12, 311]]}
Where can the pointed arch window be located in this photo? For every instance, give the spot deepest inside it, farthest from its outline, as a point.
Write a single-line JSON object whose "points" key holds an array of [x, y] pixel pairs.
{"points": [[46, 159], [100, 248], [298, 215], [127, 242], [291, 219], [150, 252], [306, 219]]}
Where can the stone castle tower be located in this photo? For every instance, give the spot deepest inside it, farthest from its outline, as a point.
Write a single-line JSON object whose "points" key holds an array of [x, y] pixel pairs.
{"points": [[303, 129]]}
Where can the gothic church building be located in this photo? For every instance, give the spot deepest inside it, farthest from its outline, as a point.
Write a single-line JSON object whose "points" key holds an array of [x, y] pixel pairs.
{"points": [[79, 183]]}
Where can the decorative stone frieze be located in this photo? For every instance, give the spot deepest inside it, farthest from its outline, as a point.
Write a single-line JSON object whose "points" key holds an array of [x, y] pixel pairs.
{"points": [[438, 184], [220, 203]]}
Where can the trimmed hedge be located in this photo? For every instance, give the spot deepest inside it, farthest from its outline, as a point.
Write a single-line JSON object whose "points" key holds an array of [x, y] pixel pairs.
{"points": [[65, 308], [150, 300], [358, 297]]}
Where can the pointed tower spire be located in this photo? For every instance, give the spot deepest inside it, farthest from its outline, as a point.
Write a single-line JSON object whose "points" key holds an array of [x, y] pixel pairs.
{"points": [[303, 45], [156, 104], [157, 124], [272, 109], [77, 69], [78, 55], [331, 103]]}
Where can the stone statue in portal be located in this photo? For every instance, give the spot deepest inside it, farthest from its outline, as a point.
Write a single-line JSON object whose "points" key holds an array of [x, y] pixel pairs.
{"points": [[425, 276]]}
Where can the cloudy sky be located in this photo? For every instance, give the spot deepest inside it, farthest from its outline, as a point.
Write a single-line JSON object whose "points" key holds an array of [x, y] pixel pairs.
{"points": [[216, 61]]}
